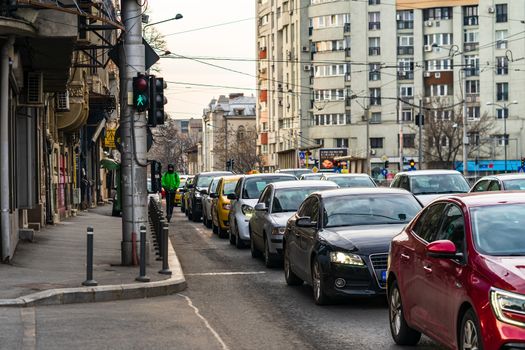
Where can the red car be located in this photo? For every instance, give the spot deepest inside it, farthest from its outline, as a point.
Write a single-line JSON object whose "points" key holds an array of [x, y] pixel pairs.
{"points": [[457, 273]]}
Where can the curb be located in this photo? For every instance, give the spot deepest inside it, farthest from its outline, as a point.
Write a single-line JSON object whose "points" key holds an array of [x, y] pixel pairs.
{"points": [[59, 296]]}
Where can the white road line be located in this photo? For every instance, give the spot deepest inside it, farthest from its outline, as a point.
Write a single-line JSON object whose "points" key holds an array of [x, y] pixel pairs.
{"points": [[27, 315], [206, 323], [225, 273]]}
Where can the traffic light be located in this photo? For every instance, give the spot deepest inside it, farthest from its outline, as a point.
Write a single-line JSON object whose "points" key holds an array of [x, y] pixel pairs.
{"points": [[387, 163], [156, 173], [228, 164], [412, 164], [523, 163], [232, 163], [156, 114], [141, 92], [420, 120]]}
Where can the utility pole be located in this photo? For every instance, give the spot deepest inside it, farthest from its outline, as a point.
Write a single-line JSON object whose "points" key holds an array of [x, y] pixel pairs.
{"points": [[400, 112], [133, 131], [420, 151], [226, 138], [464, 120], [367, 119]]}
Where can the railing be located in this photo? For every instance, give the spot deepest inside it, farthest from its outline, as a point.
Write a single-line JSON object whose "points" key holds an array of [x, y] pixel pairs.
{"points": [[405, 50], [470, 20], [405, 24]]}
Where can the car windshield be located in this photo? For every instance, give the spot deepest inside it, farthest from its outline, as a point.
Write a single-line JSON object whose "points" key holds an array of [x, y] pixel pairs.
{"points": [[311, 176], [369, 209], [352, 181], [296, 172], [498, 229], [229, 187], [514, 184], [438, 183], [254, 186], [289, 199]]}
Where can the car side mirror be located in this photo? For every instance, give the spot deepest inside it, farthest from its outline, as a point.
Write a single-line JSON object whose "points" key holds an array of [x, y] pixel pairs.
{"points": [[260, 207], [305, 222], [204, 191], [442, 249], [191, 186], [213, 195], [232, 196]]}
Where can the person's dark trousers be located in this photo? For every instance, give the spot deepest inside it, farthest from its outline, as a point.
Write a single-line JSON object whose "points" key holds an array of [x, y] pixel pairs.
{"points": [[170, 203]]}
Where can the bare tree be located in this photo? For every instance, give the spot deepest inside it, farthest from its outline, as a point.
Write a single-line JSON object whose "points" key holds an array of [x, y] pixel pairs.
{"points": [[443, 136], [170, 146], [242, 148], [157, 41]]}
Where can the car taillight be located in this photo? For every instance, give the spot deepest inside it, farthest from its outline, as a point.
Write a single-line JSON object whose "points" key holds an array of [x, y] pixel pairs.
{"points": [[226, 206]]}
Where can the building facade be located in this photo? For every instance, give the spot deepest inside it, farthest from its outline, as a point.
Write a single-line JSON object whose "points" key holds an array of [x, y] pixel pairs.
{"points": [[354, 75]]}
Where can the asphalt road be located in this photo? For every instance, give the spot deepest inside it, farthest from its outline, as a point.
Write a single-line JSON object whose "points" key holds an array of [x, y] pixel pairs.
{"points": [[251, 307]]}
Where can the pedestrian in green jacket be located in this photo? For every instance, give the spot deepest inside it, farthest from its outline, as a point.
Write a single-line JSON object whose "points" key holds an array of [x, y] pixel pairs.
{"points": [[170, 182]]}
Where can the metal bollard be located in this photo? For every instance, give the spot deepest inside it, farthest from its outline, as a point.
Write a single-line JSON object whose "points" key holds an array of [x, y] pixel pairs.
{"points": [[142, 275], [90, 282], [165, 241]]}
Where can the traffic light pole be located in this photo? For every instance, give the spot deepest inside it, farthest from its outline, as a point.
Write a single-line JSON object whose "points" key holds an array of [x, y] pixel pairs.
{"points": [[420, 148], [133, 131]]}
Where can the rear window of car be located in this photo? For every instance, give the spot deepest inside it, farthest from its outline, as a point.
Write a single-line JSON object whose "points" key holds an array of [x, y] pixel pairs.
{"points": [[255, 185], [514, 185], [289, 199], [349, 181]]}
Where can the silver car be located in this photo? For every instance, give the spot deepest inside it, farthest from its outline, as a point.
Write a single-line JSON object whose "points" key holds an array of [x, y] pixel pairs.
{"points": [[206, 203], [311, 176], [243, 200], [350, 180], [278, 202]]}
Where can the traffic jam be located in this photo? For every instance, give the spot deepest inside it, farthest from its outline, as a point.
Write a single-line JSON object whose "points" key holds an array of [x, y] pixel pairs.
{"points": [[448, 257]]}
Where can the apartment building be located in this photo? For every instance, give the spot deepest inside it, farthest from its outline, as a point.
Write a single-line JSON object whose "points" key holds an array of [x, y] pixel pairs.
{"points": [[363, 67]]}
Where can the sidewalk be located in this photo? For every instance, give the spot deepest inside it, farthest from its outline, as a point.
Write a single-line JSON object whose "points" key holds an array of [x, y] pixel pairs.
{"points": [[54, 265]]}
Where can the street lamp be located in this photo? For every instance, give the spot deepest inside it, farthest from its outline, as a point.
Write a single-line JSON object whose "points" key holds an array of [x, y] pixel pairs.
{"points": [[505, 107], [177, 16]]}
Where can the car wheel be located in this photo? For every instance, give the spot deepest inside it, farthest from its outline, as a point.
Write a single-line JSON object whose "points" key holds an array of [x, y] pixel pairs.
{"points": [[320, 297], [209, 223], [290, 277], [269, 260], [470, 337], [255, 252], [204, 219], [401, 331], [239, 244], [214, 228], [182, 208], [194, 216], [223, 233]]}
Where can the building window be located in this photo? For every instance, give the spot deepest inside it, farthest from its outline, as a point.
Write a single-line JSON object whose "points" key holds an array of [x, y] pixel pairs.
{"points": [[336, 20], [502, 91], [501, 39], [437, 13], [502, 65], [440, 39], [374, 46], [470, 15], [471, 65], [473, 113], [405, 19], [501, 13], [406, 90], [442, 115], [409, 140], [502, 140], [332, 70], [502, 113], [472, 87], [375, 118], [376, 142], [374, 2], [375, 97], [319, 142], [374, 21], [438, 65], [374, 71], [439, 90], [406, 115], [341, 143], [264, 149]]}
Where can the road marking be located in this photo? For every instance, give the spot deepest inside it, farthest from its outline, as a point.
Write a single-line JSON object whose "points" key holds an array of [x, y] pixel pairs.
{"points": [[206, 323], [27, 315], [233, 273]]}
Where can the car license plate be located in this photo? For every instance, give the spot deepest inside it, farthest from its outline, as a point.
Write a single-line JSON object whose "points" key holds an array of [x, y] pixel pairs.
{"points": [[383, 275]]}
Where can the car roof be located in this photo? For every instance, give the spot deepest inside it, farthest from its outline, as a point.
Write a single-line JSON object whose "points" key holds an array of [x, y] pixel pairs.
{"points": [[294, 169], [303, 183], [504, 176], [362, 190], [230, 177], [215, 173], [478, 199], [346, 175], [267, 175], [429, 172]]}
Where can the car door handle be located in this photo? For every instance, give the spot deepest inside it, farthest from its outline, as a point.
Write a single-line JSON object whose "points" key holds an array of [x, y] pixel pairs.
{"points": [[405, 257], [427, 268]]}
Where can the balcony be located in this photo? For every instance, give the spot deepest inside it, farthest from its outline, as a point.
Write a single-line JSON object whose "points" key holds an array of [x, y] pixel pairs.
{"points": [[470, 47], [405, 75], [405, 50], [405, 24], [347, 28], [374, 51], [374, 76], [471, 72], [374, 25], [470, 20]]}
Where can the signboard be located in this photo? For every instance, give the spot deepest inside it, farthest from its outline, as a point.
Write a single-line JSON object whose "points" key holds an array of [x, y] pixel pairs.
{"points": [[305, 159], [109, 140], [327, 155]]}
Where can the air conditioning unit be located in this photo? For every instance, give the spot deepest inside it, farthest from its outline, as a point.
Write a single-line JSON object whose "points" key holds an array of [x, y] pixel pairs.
{"points": [[437, 75], [307, 68], [470, 99], [305, 49], [62, 101], [35, 88], [427, 74], [428, 99], [428, 48], [492, 10], [429, 23], [373, 152], [438, 23]]}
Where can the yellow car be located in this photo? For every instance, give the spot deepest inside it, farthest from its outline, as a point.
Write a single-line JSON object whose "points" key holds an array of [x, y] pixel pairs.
{"points": [[178, 194], [220, 207]]}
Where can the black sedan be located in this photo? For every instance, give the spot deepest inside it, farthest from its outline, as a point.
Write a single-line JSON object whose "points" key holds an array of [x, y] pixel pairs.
{"points": [[338, 240]]}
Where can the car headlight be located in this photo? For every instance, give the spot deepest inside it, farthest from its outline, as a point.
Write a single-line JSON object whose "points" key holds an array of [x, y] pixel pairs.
{"points": [[508, 307], [346, 259], [278, 230], [197, 195], [247, 210]]}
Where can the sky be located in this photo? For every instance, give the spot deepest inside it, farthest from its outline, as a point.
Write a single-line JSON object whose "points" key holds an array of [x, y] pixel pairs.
{"points": [[236, 40]]}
